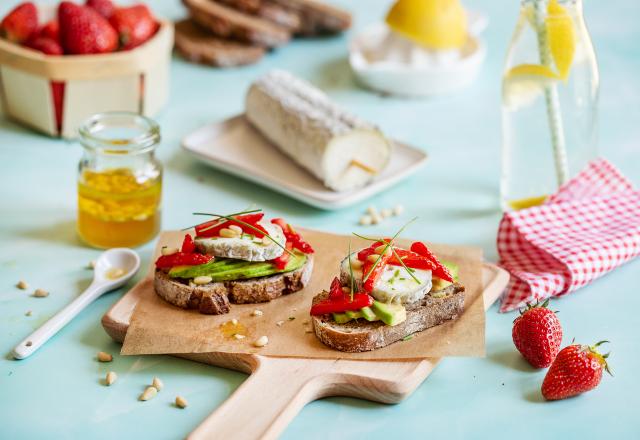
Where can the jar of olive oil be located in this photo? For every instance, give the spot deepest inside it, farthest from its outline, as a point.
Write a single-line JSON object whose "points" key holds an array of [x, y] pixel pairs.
{"points": [[119, 180]]}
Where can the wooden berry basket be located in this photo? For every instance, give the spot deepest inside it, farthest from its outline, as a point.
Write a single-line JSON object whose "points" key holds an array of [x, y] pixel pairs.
{"points": [[135, 81]]}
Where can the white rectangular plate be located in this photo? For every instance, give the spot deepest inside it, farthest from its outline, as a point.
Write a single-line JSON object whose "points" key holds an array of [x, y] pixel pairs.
{"points": [[235, 147]]}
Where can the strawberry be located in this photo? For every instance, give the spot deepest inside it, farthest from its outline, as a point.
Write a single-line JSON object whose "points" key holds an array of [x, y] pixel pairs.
{"points": [[45, 45], [537, 334], [84, 31], [21, 23], [102, 7], [577, 369], [51, 30], [134, 24]]}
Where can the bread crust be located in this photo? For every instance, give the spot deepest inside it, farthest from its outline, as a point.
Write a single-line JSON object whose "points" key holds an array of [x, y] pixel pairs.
{"points": [[216, 298], [360, 335]]}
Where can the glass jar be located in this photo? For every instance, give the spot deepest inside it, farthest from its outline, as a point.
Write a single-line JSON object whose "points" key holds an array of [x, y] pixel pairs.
{"points": [[119, 180], [549, 102]]}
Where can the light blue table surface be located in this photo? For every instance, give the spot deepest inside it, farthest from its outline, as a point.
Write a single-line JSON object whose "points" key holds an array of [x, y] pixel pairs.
{"points": [[57, 392]]}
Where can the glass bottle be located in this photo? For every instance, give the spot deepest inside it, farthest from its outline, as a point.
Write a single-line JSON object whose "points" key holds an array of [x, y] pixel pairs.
{"points": [[119, 180], [549, 102]]}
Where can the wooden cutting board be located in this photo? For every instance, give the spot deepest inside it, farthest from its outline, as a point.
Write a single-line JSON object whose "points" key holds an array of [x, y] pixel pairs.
{"points": [[278, 388]]}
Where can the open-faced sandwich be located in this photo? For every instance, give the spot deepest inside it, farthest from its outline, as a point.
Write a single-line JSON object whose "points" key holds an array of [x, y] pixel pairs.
{"points": [[384, 294], [240, 258]]}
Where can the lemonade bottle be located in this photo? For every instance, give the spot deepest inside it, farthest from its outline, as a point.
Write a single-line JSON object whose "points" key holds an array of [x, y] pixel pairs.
{"points": [[549, 102]]}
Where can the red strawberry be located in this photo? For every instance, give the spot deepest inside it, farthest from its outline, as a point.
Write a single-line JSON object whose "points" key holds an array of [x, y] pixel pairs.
{"points": [[102, 7], [84, 31], [46, 45], [20, 24], [51, 30], [134, 24], [537, 334], [577, 369]]}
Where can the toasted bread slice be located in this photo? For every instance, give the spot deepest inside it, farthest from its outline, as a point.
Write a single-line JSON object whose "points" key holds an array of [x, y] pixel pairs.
{"points": [[268, 10], [316, 17], [356, 336], [197, 45], [227, 22], [215, 298]]}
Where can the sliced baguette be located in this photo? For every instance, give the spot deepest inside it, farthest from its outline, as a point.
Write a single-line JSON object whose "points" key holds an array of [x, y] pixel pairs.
{"points": [[215, 298], [361, 335]]}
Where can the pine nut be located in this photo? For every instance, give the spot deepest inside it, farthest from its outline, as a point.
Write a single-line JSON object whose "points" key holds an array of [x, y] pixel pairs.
{"points": [[149, 393], [166, 250], [157, 383], [181, 402], [27, 313], [104, 357], [398, 210], [40, 293], [366, 220], [238, 336], [111, 378], [92, 264], [373, 258], [279, 323], [386, 213], [375, 219], [234, 321], [201, 280], [261, 341], [22, 285], [356, 264], [372, 210], [228, 233], [256, 312], [383, 248], [237, 229]]}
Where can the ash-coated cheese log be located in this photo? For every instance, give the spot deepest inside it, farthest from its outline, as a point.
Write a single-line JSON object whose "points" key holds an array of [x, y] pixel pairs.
{"points": [[341, 150]]}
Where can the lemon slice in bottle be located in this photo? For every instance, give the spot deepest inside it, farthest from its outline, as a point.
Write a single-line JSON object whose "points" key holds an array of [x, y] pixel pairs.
{"points": [[435, 24], [524, 83], [562, 37]]}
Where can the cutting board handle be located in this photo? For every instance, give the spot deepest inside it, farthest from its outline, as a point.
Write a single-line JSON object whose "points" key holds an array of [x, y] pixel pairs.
{"points": [[266, 402]]}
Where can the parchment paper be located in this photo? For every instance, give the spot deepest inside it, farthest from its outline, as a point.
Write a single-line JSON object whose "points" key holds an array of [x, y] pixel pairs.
{"points": [[158, 327]]}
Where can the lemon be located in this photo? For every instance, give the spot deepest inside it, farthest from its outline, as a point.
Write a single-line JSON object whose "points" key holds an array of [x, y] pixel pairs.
{"points": [[527, 203], [436, 24], [524, 83], [562, 37]]}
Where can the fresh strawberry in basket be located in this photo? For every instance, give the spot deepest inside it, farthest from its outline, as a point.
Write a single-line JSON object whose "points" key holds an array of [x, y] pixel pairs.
{"points": [[51, 30], [45, 45], [134, 25], [102, 7], [84, 31], [20, 24]]}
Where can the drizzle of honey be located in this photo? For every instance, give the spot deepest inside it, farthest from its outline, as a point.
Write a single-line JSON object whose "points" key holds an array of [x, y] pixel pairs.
{"points": [[116, 208], [229, 329]]}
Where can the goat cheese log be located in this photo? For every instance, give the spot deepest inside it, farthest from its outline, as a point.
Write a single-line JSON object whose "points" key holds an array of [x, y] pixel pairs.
{"points": [[341, 150]]}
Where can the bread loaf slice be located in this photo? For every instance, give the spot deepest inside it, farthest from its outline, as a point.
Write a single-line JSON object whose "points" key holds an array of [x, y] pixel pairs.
{"points": [[361, 335], [341, 150], [215, 298], [197, 45]]}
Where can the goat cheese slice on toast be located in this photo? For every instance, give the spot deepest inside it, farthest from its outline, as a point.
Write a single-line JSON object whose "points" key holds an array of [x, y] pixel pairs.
{"points": [[247, 247]]}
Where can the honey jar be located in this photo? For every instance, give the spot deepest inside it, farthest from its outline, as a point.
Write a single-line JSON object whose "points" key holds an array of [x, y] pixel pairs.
{"points": [[119, 180]]}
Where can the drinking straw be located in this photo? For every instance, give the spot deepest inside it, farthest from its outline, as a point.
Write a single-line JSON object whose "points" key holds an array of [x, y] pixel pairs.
{"points": [[554, 114]]}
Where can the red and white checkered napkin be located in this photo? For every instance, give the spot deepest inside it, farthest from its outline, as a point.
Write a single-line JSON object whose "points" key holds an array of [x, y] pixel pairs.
{"points": [[589, 227]]}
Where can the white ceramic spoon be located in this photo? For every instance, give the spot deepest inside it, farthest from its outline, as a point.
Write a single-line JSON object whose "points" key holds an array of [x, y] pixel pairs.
{"points": [[113, 268]]}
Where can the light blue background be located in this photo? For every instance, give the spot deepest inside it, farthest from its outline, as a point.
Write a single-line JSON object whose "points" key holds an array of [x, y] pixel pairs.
{"points": [[56, 393]]}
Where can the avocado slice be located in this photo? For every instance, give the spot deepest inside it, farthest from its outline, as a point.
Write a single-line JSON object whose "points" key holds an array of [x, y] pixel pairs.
{"points": [[341, 318], [390, 314], [226, 269], [453, 269], [369, 314]]}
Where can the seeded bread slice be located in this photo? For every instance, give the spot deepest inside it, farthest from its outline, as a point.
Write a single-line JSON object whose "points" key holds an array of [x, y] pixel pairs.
{"points": [[361, 335], [215, 298], [197, 45]]}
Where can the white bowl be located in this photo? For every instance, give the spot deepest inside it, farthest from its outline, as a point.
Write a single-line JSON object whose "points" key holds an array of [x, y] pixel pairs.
{"points": [[436, 72]]}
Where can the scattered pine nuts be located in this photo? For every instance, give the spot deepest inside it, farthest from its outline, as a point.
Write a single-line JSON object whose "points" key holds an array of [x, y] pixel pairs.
{"points": [[398, 210], [181, 402], [383, 248], [166, 250], [201, 280], [111, 378], [238, 336], [261, 341], [256, 312], [386, 213], [91, 264], [148, 394], [366, 220], [40, 293], [234, 321], [235, 228], [375, 219], [27, 313], [372, 210], [356, 264], [157, 383], [373, 258], [104, 357], [279, 323], [22, 285], [305, 322], [228, 233]]}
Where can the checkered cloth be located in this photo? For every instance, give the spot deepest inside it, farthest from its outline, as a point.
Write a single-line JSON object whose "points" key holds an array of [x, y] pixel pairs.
{"points": [[588, 228]]}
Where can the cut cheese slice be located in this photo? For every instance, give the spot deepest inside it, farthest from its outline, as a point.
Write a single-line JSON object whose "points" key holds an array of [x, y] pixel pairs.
{"points": [[246, 247], [341, 150]]}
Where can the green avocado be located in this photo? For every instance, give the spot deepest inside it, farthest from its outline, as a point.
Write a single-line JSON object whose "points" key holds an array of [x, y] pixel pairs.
{"points": [[341, 318], [390, 314], [353, 314], [369, 314], [226, 269], [439, 283]]}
